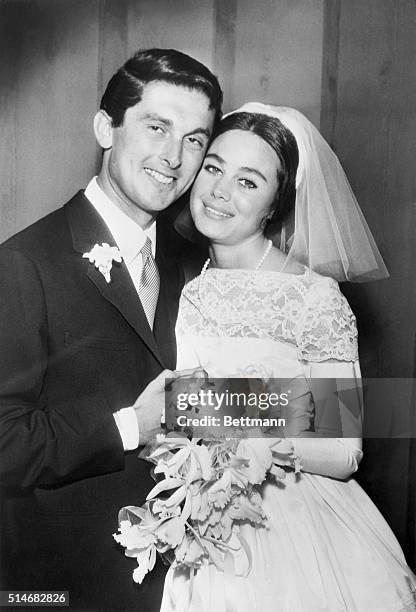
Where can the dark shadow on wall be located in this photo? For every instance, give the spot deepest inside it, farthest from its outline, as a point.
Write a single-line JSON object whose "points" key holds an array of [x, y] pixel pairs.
{"points": [[388, 470]]}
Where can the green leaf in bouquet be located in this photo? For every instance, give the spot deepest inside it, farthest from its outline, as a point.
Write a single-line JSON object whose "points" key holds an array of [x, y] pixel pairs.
{"points": [[175, 499], [187, 507], [134, 514], [165, 485]]}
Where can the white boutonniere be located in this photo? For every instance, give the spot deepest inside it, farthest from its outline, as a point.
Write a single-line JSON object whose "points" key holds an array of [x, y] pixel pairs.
{"points": [[102, 256]]}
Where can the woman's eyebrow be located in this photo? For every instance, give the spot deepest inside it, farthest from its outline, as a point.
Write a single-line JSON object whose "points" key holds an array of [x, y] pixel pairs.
{"points": [[247, 169], [215, 156], [242, 168]]}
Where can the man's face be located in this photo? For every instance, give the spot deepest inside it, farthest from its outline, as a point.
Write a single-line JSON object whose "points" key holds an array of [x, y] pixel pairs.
{"points": [[156, 153]]}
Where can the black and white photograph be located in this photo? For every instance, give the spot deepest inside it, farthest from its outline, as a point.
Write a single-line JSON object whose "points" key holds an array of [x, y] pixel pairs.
{"points": [[208, 305]]}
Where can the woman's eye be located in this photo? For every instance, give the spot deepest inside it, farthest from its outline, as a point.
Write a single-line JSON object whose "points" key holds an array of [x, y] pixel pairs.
{"points": [[212, 169], [247, 184]]}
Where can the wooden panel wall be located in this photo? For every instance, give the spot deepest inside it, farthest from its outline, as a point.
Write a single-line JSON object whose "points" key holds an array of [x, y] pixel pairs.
{"points": [[374, 135], [369, 116], [8, 127], [57, 56], [348, 64], [51, 68], [278, 57]]}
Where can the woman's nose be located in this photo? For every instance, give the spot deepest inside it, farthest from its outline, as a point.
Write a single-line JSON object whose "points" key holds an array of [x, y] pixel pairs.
{"points": [[221, 190]]}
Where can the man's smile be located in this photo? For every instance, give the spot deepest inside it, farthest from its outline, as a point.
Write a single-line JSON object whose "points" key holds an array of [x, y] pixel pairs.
{"points": [[159, 177]]}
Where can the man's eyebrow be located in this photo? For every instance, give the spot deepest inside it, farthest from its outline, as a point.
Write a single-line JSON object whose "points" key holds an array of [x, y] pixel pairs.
{"points": [[243, 168], [169, 123], [155, 117], [201, 130]]}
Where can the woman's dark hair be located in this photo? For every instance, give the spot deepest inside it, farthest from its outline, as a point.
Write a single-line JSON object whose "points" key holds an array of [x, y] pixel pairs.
{"points": [[282, 141], [125, 88]]}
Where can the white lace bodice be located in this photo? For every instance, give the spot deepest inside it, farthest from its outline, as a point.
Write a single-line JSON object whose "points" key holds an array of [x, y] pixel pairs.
{"points": [[306, 311], [272, 325]]}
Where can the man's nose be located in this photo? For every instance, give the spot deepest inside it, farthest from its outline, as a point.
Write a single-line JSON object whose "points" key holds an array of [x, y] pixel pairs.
{"points": [[171, 155]]}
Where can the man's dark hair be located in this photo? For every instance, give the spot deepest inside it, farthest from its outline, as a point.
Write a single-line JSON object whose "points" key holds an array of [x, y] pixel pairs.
{"points": [[125, 88], [282, 141]]}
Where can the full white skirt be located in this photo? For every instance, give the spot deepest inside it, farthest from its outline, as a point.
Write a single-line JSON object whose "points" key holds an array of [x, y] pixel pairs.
{"points": [[327, 549]]}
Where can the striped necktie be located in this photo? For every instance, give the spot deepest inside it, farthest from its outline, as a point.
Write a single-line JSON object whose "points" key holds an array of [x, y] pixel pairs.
{"points": [[149, 282]]}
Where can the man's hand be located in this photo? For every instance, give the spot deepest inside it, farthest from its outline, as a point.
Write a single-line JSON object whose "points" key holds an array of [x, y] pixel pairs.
{"points": [[150, 405]]}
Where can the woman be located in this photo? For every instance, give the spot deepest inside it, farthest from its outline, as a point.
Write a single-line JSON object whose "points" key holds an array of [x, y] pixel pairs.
{"points": [[260, 311]]}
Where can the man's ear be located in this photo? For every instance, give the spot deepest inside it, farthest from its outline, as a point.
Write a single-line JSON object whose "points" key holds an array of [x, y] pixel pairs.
{"points": [[103, 129]]}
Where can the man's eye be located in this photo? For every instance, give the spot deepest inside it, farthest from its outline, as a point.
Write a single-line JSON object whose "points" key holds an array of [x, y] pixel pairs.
{"points": [[247, 184], [157, 128], [212, 169], [196, 142]]}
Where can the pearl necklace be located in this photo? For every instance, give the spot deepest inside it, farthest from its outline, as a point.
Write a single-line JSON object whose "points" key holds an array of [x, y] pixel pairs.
{"points": [[206, 314], [258, 266]]}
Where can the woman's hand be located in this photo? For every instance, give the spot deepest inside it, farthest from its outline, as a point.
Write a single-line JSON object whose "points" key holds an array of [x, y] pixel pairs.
{"points": [[197, 372]]}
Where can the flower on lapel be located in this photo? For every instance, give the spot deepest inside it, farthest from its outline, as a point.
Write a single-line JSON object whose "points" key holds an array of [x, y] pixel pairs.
{"points": [[102, 256]]}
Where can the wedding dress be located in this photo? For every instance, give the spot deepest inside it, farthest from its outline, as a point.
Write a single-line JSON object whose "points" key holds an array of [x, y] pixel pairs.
{"points": [[327, 547]]}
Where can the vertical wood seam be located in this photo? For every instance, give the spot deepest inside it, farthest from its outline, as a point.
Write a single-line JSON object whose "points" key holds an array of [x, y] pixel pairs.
{"points": [[224, 45], [15, 129], [411, 500], [329, 76], [100, 75], [101, 26]]}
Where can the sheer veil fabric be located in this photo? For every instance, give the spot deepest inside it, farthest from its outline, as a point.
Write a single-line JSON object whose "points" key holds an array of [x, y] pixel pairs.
{"points": [[329, 233]]}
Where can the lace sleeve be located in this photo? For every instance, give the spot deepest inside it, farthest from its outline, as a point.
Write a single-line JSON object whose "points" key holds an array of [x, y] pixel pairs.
{"points": [[327, 329], [327, 344]]}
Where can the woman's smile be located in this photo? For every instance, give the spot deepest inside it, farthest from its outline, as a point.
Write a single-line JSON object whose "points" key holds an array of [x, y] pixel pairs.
{"points": [[214, 212], [235, 188]]}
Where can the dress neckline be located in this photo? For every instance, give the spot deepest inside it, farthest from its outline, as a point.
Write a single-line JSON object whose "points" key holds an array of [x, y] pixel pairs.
{"points": [[306, 270]]}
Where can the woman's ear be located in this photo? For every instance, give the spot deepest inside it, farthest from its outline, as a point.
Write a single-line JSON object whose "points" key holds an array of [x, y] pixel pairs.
{"points": [[272, 211], [103, 129], [266, 221]]}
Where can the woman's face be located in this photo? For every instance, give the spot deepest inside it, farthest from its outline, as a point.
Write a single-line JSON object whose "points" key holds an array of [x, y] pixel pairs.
{"points": [[235, 188]]}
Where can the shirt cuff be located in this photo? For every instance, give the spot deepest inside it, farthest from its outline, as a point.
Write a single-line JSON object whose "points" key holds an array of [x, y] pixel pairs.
{"points": [[128, 427]]}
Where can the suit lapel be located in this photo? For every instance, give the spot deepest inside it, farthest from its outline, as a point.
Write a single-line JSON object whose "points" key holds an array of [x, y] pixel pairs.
{"points": [[167, 310], [121, 292], [87, 229], [171, 283], [173, 255]]}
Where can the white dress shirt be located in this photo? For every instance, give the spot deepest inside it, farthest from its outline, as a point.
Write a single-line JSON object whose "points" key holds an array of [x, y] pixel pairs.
{"points": [[130, 239]]}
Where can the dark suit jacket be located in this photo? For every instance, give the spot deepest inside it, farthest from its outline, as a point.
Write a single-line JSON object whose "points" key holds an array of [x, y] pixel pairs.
{"points": [[73, 350]]}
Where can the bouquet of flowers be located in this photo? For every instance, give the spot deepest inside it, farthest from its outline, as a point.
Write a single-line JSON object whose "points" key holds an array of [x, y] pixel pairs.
{"points": [[208, 488]]}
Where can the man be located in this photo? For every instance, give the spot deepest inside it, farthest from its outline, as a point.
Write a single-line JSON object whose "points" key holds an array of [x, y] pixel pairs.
{"points": [[87, 338]]}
